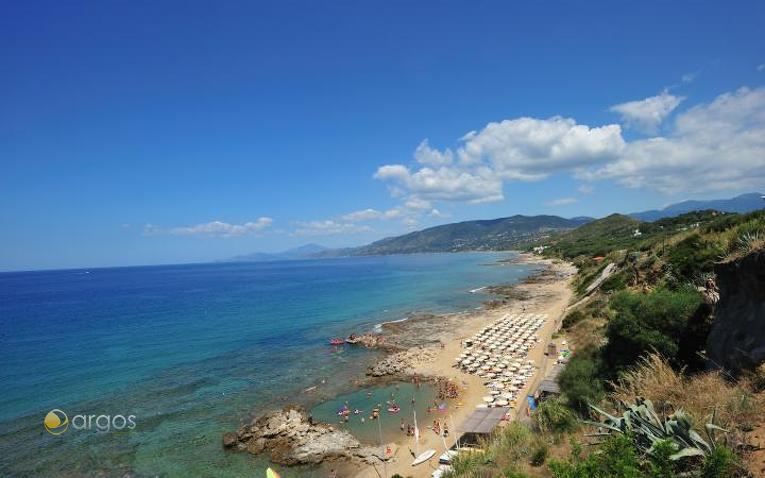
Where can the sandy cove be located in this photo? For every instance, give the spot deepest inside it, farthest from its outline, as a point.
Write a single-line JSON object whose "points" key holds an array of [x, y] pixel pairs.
{"points": [[546, 293]]}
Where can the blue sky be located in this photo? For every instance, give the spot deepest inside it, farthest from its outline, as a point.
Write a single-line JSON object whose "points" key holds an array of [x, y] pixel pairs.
{"points": [[161, 132]]}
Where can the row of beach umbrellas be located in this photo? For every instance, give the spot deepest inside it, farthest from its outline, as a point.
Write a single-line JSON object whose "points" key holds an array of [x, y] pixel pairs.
{"points": [[499, 352]]}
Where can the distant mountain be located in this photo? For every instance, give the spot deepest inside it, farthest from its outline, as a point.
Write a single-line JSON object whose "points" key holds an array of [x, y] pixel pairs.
{"points": [[741, 204], [494, 234], [306, 251]]}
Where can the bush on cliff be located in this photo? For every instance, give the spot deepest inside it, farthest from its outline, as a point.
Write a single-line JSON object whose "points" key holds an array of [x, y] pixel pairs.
{"points": [[580, 381], [643, 323]]}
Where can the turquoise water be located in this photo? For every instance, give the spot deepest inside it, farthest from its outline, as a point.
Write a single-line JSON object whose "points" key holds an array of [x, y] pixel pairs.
{"points": [[194, 350]]}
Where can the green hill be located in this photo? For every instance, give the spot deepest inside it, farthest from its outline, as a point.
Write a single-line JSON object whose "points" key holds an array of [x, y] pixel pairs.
{"points": [[600, 237], [494, 234]]}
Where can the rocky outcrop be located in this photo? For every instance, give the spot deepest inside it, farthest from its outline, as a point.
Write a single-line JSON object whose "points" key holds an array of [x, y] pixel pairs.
{"points": [[402, 362], [737, 339], [291, 438]]}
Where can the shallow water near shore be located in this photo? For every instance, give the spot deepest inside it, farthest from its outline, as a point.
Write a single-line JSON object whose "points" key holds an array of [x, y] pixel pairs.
{"points": [[195, 350], [389, 426]]}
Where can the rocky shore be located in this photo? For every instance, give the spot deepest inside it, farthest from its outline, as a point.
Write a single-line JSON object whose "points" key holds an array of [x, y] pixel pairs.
{"points": [[292, 438], [400, 363], [414, 346]]}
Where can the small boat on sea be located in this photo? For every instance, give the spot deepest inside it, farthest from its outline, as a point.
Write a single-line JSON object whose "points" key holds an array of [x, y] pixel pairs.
{"points": [[394, 408], [336, 341]]}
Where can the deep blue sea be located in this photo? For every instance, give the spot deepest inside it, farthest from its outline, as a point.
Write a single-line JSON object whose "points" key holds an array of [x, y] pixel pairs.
{"points": [[194, 350]]}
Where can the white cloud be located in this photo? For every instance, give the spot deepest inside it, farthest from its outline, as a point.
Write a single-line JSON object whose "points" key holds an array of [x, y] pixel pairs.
{"points": [[761, 67], [444, 183], [424, 154], [372, 214], [417, 204], [711, 147], [212, 229], [647, 114], [327, 228], [522, 149], [714, 147], [586, 189], [561, 201]]}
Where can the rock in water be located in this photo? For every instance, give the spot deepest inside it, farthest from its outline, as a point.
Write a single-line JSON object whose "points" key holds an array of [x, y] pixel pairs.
{"points": [[292, 439]]}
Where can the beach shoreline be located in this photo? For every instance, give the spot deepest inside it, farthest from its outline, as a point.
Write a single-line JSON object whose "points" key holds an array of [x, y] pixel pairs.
{"points": [[546, 292], [430, 342]]}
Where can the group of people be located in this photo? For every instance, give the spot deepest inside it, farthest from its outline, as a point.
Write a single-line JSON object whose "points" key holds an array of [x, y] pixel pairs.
{"points": [[437, 428], [447, 389]]}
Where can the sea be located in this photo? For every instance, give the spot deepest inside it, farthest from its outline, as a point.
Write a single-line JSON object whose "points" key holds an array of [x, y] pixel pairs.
{"points": [[192, 351]]}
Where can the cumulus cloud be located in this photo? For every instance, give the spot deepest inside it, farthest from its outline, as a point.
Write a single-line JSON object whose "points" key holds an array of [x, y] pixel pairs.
{"points": [[328, 227], [522, 149], [212, 229], [647, 114], [371, 214], [719, 146], [424, 154], [711, 147], [561, 201], [444, 183]]}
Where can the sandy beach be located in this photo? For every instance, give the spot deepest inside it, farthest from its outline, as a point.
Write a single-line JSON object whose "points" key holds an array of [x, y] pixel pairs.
{"points": [[546, 293]]}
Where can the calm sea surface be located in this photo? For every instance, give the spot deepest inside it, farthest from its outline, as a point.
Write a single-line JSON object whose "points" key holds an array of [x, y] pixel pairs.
{"points": [[193, 350]]}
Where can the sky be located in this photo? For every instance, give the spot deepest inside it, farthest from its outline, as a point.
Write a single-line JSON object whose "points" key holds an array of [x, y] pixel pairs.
{"points": [[139, 132]]}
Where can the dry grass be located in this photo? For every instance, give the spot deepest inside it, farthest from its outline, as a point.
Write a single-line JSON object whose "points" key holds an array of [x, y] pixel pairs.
{"points": [[586, 333], [736, 406]]}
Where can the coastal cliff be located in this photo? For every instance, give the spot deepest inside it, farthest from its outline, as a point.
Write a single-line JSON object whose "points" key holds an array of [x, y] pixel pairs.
{"points": [[737, 339]]}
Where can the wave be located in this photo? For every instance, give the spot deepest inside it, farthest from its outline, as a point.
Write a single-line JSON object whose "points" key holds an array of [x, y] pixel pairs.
{"points": [[379, 327]]}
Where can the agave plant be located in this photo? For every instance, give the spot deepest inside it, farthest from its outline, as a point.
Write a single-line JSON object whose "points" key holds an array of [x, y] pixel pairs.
{"points": [[641, 422]]}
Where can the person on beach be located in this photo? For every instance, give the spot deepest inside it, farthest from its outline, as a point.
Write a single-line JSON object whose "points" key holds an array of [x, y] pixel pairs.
{"points": [[446, 430], [332, 473], [402, 425]]}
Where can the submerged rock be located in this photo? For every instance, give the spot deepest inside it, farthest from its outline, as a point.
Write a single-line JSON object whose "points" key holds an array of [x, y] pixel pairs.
{"points": [[291, 438]]}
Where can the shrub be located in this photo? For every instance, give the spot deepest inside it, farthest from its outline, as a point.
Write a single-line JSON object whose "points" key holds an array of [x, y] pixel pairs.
{"points": [[720, 464], [694, 255], [660, 463], [580, 380], [616, 282], [573, 318], [647, 322], [616, 458], [539, 455], [552, 415]]}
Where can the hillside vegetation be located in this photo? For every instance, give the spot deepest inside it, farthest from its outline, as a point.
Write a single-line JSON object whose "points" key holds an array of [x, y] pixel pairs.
{"points": [[495, 234], [638, 370]]}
